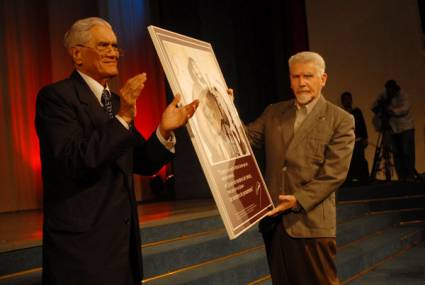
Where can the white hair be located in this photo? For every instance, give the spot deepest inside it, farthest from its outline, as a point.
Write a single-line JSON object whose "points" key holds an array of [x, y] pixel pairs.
{"points": [[79, 33], [307, 57]]}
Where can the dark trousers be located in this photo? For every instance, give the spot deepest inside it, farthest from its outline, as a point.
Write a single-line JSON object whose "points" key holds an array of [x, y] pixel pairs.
{"points": [[404, 154], [300, 261]]}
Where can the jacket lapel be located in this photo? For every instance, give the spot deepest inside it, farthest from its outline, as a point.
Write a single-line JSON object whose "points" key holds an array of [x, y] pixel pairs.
{"points": [[287, 124], [98, 115], [316, 115], [86, 96]]}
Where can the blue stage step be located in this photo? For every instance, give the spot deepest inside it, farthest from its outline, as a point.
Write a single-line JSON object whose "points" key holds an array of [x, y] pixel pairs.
{"points": [[31, 277], [250, 264], [239, 268], [357, 257], [28, 258], [363, 226], [158, 231], [198, 251], [173, 255], [408, 267], [20, 260]]}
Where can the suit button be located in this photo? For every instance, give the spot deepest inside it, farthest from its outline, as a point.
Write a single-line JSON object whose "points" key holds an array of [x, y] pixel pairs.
{"points": [[126, 221], [284, 168]]}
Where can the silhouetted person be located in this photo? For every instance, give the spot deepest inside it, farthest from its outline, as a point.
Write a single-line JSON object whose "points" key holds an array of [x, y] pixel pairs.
{"points": [[393, 106], [359, 170]]}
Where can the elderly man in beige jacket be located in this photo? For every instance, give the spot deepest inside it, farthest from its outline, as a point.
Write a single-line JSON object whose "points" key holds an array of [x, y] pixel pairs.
{"points": [[308, 144]]}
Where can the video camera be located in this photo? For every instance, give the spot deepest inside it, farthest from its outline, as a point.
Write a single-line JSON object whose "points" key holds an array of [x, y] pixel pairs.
{"points": [[382, 114]]}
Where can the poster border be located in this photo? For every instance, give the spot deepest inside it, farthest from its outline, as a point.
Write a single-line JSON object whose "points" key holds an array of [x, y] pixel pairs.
{"points": [[160, 35]]}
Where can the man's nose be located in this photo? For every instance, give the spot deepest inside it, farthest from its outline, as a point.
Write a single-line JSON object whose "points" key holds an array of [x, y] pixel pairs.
{"points": [[111, 54]]}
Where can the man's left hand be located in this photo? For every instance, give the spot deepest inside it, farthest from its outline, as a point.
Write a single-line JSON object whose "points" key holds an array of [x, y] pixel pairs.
{"points": [[175, 117], [285, 202]]}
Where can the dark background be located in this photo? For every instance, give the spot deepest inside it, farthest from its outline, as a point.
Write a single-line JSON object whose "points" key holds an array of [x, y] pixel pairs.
{"points": [[252, 44]]}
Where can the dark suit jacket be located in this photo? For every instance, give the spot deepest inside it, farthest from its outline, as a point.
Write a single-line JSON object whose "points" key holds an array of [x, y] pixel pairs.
{"points": [[91, 229], [311, 164]]}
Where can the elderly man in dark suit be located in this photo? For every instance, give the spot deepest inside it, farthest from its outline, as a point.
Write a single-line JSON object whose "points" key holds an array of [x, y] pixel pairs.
{"points": [[308, 143], [89, 152]]}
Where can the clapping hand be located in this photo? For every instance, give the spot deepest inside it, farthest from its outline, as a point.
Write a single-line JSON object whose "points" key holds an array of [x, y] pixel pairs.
{"points": [[129, 94], [175, 117]]}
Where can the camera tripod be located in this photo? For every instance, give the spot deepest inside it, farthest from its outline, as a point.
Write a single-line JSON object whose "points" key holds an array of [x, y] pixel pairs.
{"points": [[382, 161]]}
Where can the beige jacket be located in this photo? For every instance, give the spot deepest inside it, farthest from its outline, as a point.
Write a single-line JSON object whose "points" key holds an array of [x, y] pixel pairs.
{"points": [[311, 164]]}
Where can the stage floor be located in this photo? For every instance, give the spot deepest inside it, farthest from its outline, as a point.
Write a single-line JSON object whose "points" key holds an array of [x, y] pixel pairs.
{"points": [[24, 229]]}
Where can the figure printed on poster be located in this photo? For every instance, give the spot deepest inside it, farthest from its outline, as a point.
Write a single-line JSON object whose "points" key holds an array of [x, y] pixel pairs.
{"points": [[219, 133]]}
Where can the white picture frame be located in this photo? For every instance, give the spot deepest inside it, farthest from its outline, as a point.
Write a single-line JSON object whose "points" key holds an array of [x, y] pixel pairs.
{"points": [[216, 130]]}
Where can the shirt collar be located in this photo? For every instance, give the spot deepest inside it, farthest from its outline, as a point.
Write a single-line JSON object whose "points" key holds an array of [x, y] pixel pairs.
{"points": [[309, 106], [94, 86]]}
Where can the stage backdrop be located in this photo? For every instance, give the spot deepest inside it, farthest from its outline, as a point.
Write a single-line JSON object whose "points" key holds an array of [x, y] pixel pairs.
{"points": [[32, 55], [366, 48], [252, 43]]}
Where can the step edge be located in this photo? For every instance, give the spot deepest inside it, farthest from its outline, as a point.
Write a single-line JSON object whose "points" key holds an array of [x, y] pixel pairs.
{"points": [[360, 274], [20, 273], [181, 218], [185, 237], [205, 263], [363, 216], [260, 280], [365, 201]]}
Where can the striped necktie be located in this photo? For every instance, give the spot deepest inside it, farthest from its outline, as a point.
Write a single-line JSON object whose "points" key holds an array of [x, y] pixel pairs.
{"points": [[107, 102]]}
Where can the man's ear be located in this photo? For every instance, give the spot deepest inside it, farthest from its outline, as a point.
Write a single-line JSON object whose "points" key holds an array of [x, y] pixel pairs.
{"points": [[76, 55], [324, 78]]}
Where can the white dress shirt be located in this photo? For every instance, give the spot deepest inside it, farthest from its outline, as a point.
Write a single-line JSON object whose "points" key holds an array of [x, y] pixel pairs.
{"points": [[303, 111], [97, 90]]}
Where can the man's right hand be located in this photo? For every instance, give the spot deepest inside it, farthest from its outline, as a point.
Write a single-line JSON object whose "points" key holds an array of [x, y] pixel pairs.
{"points": [[129, 94]]}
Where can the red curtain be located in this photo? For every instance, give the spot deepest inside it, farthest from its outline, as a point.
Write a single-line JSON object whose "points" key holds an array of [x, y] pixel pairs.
{"points": [[32, 55], [130, 19], [25, 67], [139, 57]]}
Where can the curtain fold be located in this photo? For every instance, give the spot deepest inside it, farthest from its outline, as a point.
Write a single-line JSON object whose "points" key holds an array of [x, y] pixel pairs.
{"points": [[130, 19], [25, 66], [32, 55]]}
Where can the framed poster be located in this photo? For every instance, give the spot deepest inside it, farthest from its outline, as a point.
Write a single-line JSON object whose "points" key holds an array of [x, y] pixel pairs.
{"points": [[215, 130]]}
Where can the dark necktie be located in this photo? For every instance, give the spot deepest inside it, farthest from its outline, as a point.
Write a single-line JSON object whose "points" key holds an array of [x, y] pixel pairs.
{"points": [[107, 102]]}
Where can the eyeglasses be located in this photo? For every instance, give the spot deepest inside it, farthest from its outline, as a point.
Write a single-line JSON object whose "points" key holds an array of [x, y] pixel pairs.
{"points": [[104, 47]]}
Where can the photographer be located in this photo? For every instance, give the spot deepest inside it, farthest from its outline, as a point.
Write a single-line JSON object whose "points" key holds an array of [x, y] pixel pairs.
{"points": [[392, 115]]}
